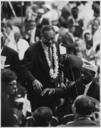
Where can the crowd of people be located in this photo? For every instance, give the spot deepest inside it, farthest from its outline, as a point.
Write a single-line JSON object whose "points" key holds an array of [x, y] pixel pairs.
{"points": [[50, 66]]}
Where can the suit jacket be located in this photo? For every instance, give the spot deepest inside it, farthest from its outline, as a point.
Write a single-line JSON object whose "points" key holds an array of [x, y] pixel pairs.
{"points": [[82, 122], [36, 67], [94, 90], [12, 58], [79, 88]]}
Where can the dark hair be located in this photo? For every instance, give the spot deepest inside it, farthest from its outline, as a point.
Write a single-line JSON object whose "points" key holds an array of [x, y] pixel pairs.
{"points": [[70, 22], [96, 7], [66, 11], [42, 116], [84, 105], [63, 22], [45, 21], [47, 28], [7, 75], [75, 12], [97, 47]]}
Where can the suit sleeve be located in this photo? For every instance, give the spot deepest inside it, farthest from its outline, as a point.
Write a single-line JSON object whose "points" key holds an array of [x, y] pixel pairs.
{"points": [[27, 66], [15, 63]]}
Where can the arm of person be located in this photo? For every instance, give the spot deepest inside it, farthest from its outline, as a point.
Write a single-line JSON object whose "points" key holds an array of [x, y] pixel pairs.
{"points": [[59, 92], [27, 67]]}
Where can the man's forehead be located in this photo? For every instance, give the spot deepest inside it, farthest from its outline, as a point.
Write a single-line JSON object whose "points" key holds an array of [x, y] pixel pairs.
{"points": [[49, 33]]}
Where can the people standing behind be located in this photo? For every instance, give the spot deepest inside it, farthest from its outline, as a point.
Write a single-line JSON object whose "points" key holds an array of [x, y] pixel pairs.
{"points": [[89, 51], [65, 14], [69, 43], [29, 26], [9, 33]]}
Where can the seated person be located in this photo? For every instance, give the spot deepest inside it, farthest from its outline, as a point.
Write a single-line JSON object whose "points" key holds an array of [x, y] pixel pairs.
{"points": [[8, 87], [13, 93]]}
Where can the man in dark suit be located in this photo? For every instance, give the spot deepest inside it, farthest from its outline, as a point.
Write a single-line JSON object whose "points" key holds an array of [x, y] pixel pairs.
{"points": [[80, 80], [83, 107], [94, 90], [82, 73], [42, 70]]}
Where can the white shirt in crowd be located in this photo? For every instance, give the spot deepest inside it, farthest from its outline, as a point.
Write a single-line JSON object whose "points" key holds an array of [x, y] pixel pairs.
{"points": [[21, 47], [10, 41], [97, 38]]}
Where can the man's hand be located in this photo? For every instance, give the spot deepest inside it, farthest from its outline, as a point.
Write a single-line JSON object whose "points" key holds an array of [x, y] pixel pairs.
{"points": [[37, 86], [48, 91], [62, 85]]}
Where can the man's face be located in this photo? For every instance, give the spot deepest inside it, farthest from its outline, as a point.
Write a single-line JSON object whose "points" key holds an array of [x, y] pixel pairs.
{"points": [[8, 30], [12, 88], [88, 37], [75, 13], [48, 37]]}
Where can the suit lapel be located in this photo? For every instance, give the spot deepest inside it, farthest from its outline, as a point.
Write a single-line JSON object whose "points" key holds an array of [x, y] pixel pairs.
{"points": [[42, 59]]}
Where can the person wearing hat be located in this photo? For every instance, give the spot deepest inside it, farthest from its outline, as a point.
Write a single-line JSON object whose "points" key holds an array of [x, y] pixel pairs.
{"points": [[83, 107], [83, 73], [41, 72]]}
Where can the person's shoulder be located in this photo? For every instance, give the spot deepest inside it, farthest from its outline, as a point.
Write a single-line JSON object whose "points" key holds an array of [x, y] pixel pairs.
{"points": [[34, 47], [10, 50], [83, 122]]}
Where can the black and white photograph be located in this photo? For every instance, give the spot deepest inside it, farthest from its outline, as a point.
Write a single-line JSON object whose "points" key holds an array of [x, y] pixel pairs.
{"points": [[50, 63]]}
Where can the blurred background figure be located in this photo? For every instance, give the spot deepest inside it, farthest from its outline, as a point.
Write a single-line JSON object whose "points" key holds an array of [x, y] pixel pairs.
{"points": [[10, 41], [21, 45]]}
